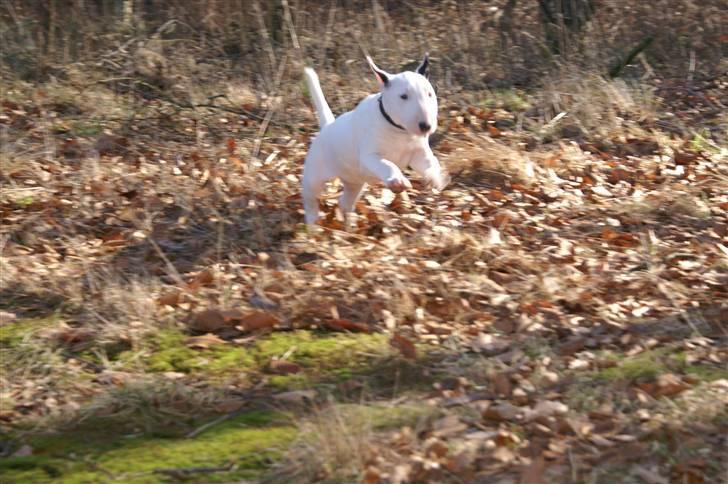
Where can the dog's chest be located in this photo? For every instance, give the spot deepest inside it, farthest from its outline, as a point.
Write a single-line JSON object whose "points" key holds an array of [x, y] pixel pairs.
{"points": [[398, 153]]}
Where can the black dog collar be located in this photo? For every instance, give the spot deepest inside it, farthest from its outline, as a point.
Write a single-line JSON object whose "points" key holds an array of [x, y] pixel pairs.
{"points": [[386, 116]]}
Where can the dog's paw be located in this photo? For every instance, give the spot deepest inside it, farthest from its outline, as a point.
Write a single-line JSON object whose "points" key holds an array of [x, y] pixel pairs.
{"points": [[437, 179], [398, 184]]}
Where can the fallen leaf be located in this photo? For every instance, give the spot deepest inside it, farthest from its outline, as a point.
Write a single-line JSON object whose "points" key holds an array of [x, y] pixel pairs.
{"points": [[448, 426], [533, 473], [170, 298], [231, 145], [503, 454], [74, 335], [297, 397], [545, 409], [204, 341], [405, 346], [372, 476], [203, 278], [667, 385], [209, 321], [503, 412], [650, 476], [230, 406], [501, 384], [283, 367], [572, 345], [347, 325], [258, 320], [6, 317], [23, 451]]}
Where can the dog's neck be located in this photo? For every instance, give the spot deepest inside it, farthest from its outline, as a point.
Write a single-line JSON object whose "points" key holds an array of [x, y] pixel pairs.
{"points": [[386, 116]]}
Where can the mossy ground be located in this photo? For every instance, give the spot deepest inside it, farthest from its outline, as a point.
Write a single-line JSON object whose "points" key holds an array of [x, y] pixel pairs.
{"points": [[592, 389], [242, 445], [136, 430]]}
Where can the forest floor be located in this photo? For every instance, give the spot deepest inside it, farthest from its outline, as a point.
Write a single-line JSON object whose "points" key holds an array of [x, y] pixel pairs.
{"points": [[559, 313]]}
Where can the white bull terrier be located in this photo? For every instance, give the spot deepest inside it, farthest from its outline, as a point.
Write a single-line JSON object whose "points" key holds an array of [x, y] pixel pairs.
{"points": [[383, 135]]}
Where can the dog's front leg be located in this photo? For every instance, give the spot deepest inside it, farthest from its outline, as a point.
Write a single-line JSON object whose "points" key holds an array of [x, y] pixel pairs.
{"points": [[386, 171], [428, 166]]}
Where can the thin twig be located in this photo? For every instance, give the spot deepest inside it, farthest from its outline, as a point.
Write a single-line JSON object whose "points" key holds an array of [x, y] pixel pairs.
{"points": [[186, 471], [215, 422], [271, 110]]}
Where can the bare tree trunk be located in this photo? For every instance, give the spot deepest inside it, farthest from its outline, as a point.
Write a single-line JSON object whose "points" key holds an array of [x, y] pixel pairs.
{"points": [[128, 13], [563, 21], [52, 19]]}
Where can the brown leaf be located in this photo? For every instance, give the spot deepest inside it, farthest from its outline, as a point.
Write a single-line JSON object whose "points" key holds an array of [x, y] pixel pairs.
{"points": [[257, 320], [231, 145], [372, 476], [114, 239], [209, 321], [650, 476], [230, 406], [533, 473], [448, 426], [108, 144], [461, 463], [74, 335], [685, 157], [203, 278], [502, 412], [169, 298], [502, 384], [283, 367], [347, 325], [667, 385], [204, 341], [572, 345], [437, 448], [545, 409], [6, 317], [405, 346], [503, 454], [23, 451], [299, 397]]}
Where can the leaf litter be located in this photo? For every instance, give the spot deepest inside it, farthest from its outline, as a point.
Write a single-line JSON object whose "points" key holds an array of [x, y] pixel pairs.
{"points": [[569, 292]]}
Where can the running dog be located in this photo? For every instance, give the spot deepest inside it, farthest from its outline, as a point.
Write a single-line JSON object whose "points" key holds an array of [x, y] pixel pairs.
{"points": [[384, 134]]}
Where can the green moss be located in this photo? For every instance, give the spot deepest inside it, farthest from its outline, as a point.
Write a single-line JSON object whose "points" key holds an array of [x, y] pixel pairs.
{"points": [[15, 332], [86, 129], [248, 442], [651, 364], [644, 366], [339, 353], [320, 351], [383, 418], [508, 99]]}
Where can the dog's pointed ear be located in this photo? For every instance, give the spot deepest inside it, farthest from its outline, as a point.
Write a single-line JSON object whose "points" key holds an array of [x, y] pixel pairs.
{"points": [[382, 76], [422, 69]]}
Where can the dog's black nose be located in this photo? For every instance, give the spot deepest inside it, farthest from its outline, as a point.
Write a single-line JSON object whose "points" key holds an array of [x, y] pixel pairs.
{"points": [[424, 127]]}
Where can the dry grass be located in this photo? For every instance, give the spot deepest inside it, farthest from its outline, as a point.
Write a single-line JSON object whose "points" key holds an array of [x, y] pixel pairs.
{"points": [[556, 227]]}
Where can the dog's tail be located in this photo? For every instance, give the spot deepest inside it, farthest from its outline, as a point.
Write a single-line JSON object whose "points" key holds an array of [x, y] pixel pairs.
{"points": [[325, 115]]}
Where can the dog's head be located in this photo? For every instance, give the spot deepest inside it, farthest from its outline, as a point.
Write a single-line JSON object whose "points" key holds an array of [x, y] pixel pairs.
{"points": [[409, 98]]}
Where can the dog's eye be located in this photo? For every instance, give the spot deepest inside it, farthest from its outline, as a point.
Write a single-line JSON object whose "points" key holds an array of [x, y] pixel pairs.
{"points": [[404, 96], [429, 94]]}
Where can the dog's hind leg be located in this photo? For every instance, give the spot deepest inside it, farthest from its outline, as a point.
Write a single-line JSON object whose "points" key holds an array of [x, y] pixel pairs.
{"points": [[311, 191], [349, 197]]}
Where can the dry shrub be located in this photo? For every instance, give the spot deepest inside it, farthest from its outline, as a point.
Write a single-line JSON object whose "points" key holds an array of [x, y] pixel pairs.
{"points": [[594, 107], [332, 449], [149, 405]]}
